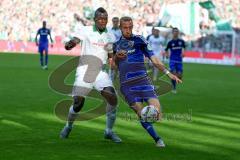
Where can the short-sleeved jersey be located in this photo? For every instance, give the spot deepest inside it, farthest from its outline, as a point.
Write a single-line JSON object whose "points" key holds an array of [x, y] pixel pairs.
{"points": [[132, 67], [176, 47], [43, 32], [156, 44], [93, 42]]}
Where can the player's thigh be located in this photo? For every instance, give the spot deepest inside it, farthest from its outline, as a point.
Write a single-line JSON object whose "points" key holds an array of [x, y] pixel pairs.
{"points": [[46, 50], [81, 87], [129, 95], [40, 49], [155, 102], [102, 81], [137, 108], [104, 85], [172, 66], [179, 70], [110, 95]]}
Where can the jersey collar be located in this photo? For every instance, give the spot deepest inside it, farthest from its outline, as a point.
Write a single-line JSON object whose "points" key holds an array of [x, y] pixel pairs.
{"points": [[127, 39], [95, 29]]}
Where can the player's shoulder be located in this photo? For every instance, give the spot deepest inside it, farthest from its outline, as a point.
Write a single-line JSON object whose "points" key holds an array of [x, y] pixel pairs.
{"points": [[140, 39], [150, 37], [170, 41], [118, 41], [180, 40]]}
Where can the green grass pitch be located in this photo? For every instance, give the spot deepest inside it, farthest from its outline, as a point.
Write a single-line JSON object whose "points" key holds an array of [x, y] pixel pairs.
{"points": [[29, 129]]}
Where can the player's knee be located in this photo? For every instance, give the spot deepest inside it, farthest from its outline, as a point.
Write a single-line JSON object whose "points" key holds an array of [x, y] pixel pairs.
{"points": [[110, 94], [78, 103]]}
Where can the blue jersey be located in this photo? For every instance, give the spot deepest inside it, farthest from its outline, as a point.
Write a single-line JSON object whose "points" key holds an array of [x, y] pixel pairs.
{"points": [[175, 46], [132, 67], [43, 32]]}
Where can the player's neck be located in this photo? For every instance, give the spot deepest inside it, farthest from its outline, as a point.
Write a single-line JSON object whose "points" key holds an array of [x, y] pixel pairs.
{"points": [[115, 28], [127, 37], [95, 28]]}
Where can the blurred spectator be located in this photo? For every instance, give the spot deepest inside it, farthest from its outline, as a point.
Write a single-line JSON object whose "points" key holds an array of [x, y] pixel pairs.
{"points": [[20, 23]]}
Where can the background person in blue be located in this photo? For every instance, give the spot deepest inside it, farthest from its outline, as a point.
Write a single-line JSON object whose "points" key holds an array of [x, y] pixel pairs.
{"points": [[176, 47], [43, 44], [135, 84]]}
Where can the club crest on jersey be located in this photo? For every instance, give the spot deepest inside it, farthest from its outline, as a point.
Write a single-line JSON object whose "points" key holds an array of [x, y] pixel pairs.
{"points": [[130, 43], [180, 43], [173, 44]]}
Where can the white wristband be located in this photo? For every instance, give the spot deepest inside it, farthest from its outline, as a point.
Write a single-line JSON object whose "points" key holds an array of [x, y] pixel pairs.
{"points": [[166, 71]]}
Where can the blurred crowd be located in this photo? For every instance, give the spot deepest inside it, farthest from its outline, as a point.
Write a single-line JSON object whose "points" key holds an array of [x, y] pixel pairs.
{"points": [[20, 19]]}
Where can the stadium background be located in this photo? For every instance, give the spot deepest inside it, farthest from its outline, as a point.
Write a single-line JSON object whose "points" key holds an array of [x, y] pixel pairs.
{"points": [[211, 31], [209, 95]]}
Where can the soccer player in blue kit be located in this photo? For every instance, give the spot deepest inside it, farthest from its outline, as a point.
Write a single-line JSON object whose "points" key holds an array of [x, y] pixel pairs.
{"points": [[43, 44], [176, 47], [135, 84]]}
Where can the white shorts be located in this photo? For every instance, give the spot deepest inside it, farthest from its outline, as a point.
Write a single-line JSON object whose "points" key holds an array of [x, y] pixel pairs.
{"points": [[82, 87]]}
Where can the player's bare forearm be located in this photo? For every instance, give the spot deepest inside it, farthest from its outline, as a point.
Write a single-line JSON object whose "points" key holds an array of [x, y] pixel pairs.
{"points": [[36, 40], [157, 63], [72, 43], [115, 61], [166, 54], [51, 38]]}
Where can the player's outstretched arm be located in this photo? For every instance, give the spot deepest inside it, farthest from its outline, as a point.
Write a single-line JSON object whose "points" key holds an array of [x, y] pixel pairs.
{"points": [[72, 43], [157, 63]]}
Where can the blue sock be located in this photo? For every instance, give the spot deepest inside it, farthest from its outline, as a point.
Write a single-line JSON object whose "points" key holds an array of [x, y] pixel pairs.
{"points": [[46, 58], [41, 58], [149, 128], [174, 84]]}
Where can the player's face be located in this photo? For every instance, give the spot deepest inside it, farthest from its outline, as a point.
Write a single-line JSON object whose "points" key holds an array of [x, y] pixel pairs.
{"points": [[44, 24], [156, 33], [175, 33], [126, 28], [115, 23], [101, 21]]}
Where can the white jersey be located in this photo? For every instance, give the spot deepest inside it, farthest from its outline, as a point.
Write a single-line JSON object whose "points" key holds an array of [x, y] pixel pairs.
{"points": [[93, 42], [157, 44]]}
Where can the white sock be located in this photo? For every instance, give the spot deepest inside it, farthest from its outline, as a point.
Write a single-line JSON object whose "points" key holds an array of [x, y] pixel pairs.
{"points": [[111, 117]]}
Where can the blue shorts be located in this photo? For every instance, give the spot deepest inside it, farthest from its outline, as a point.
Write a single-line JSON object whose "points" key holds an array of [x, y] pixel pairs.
{"points": [[139, 90], [43, 47], [176, 67]]}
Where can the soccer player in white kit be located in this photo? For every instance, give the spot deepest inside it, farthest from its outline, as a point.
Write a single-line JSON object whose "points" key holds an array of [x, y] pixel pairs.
{"points": [[156, 41], [95, 47]]}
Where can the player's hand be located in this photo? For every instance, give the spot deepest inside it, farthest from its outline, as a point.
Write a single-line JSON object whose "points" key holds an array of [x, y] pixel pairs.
{"points": [[173, 77], [69, 45], [121, 54], [166, 54], [109, 47]]}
